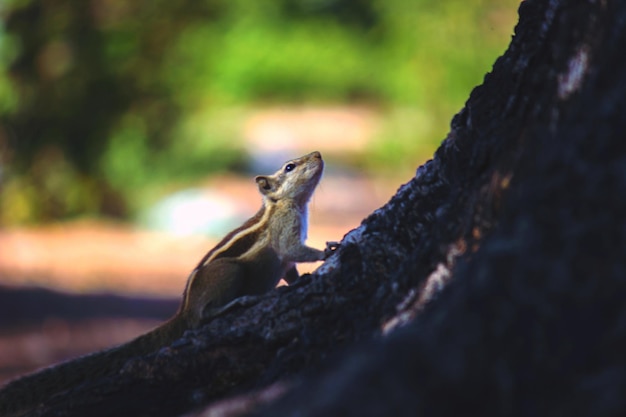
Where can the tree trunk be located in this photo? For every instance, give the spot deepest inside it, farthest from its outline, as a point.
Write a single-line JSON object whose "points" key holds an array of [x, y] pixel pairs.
{"points": [[520, 216]]}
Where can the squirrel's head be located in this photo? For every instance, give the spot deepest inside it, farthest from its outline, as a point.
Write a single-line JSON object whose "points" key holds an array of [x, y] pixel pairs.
{"points": [[295, 180]]}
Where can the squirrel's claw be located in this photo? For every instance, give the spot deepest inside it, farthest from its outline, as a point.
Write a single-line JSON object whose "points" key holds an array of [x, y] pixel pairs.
{"points": [[331, 247]]}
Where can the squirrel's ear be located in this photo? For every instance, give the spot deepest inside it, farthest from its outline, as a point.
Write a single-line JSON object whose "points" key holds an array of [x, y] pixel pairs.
{"points": [[264, 184]]}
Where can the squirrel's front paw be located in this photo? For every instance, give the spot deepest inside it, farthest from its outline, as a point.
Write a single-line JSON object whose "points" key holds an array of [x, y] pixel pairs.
{"points": [[331, 247]]}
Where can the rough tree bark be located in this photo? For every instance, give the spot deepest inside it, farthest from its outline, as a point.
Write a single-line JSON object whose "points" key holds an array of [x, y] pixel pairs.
{"points": [[520, 215]]}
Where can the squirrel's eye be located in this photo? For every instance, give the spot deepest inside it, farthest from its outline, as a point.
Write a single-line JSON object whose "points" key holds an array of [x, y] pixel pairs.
{"points": [[290, 167]]}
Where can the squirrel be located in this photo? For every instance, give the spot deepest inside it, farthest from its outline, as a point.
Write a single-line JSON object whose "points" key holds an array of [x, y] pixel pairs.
{"points": [[248, 261]]}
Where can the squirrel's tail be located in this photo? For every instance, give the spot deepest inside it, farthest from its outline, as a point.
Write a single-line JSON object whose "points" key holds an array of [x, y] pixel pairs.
{"points": [[32, 390]]}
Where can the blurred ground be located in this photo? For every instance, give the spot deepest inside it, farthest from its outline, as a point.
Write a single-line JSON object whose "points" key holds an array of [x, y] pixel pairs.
{"points": [[72, 288]]}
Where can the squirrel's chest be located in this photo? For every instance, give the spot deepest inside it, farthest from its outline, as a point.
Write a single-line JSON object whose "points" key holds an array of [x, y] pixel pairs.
{"points": [[286, 230]]}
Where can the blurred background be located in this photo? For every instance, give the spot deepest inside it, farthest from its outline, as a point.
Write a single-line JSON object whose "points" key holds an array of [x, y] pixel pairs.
{"points": [[130, 133]]}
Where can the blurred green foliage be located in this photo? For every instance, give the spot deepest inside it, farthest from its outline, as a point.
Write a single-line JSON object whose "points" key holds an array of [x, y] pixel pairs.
{"points": [[102, 99]]}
